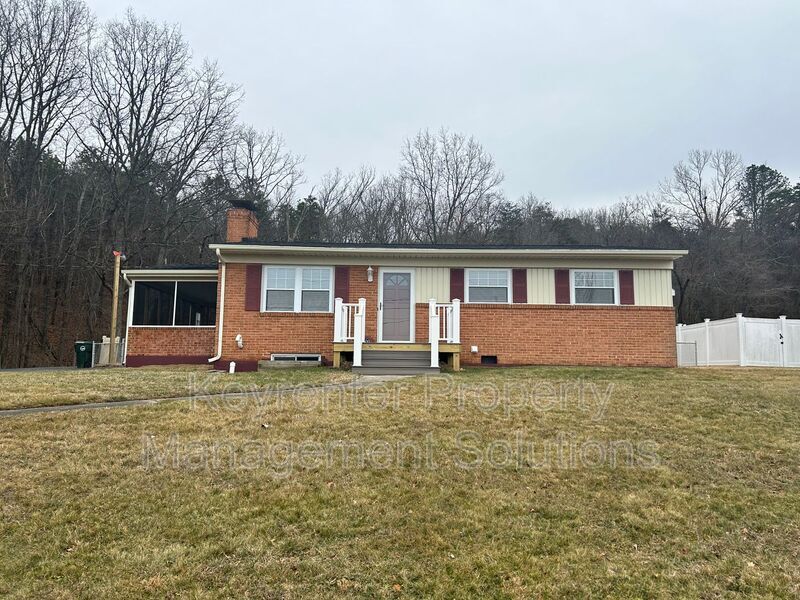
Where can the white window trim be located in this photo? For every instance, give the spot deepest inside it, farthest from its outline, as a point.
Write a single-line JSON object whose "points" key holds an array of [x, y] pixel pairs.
{"points": [[509, 285], [131, 301], [298, 289], [614, 272]]}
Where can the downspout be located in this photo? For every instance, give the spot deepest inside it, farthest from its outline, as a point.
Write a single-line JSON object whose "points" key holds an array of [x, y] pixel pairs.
{"points": [[128, 316], [218, 355]]}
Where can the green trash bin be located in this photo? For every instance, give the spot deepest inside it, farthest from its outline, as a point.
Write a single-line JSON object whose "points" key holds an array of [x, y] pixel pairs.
{"points": [[83, 354]]}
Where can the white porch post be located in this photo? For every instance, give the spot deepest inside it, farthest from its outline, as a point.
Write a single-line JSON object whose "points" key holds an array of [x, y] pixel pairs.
{"points": [[433, 332], [708, 343], [456, 333], [358, 331], [337, 320]]}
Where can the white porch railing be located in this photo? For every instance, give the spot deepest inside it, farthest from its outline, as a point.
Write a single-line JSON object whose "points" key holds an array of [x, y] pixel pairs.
{"points": [[449, 320], [444, 325], [349, 325]]}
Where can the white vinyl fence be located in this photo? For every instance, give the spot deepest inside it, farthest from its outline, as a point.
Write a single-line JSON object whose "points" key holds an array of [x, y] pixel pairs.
{"points": [[741, 341]]}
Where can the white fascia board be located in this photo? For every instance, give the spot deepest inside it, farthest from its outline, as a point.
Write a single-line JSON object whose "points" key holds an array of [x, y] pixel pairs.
{"points": [[233, 249], [171, 274]]}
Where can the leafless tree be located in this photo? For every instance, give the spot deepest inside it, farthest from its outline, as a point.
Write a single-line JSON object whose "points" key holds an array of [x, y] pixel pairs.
{"points": [[703, 189], [158, 126], [42, 90], [341, 197], [386, 214], [261, 170], [450, 177], [42, 70]]}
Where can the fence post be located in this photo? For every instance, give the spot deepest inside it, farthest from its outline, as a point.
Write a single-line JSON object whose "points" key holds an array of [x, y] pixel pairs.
{"points": [[782, 321], [740, 329], [337, 320], [708, 343]]}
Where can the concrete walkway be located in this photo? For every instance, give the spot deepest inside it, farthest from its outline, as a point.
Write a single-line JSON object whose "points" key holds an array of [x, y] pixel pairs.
{"points": [[361, 382]]}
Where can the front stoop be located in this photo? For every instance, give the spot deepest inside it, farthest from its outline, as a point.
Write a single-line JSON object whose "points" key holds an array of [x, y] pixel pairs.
{"points": [[395, 362]]}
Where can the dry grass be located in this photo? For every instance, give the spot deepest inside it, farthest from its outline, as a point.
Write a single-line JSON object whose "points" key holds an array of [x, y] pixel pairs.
{"points": [[718, 515], [19, 389]]}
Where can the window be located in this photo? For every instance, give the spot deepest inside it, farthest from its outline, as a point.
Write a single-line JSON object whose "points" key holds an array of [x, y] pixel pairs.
{"points": [[196, 303], [486, 285], [280, 289], [153, 302], [316, 290], [594, 287], [174, 303], [297, 289]]}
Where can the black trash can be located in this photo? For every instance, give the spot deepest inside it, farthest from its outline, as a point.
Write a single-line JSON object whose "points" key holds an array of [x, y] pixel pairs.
{"points": [[83, 354]]}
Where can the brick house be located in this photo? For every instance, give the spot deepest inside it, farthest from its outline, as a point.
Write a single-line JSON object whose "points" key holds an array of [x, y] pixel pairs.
{"points": [[404, 308]]}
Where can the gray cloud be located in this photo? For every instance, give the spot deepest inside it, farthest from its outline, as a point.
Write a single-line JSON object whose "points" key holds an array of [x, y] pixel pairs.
{"points": [[579, 102]]}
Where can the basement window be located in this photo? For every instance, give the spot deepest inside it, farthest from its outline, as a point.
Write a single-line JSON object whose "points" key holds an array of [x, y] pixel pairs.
{"points": [[297, 358], [174, 303]]}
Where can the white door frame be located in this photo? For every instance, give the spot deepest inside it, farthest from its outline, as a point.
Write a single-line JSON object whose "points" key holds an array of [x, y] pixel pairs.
{"points": [[412, 303]]}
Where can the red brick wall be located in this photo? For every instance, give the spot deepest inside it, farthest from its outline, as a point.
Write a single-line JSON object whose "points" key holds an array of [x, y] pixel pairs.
{"points": [[269, 333], [361, 288], [240, 224], [170, 345], [569, 335], [516, 333]]}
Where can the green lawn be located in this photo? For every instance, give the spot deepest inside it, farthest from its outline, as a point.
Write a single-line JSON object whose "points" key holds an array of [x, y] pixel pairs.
{"points": [[415, 495], [20, 389]]}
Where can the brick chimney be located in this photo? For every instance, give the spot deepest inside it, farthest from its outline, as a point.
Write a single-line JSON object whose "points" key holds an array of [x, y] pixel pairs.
{"points": [[242, 223]]}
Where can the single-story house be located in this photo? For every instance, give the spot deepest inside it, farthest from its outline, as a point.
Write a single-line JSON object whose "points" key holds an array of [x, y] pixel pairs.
{"points": [[403, 308]]}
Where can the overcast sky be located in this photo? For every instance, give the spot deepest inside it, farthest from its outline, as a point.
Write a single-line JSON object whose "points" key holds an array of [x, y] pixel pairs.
{"points": [[580, 102]]}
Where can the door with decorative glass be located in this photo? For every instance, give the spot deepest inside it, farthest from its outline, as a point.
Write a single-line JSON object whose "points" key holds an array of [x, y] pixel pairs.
{"points": [[395, 306]]}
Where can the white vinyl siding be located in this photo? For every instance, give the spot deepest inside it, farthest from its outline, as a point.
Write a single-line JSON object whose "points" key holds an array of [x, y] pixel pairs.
{"points": [[652, 287], [488, 286], [432, 282], [541, 286], [297, 289]]}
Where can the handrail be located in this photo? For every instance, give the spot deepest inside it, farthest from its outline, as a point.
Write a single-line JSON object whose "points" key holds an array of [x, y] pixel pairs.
{"points": [[449, 316], [444, 325]]}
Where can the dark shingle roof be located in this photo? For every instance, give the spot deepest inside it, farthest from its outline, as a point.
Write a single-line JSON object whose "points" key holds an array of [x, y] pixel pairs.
{"points": [[180, 267], [256, 242]]}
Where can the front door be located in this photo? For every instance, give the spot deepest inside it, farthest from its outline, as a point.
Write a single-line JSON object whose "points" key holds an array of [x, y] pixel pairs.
{"points": [[395, 306]]}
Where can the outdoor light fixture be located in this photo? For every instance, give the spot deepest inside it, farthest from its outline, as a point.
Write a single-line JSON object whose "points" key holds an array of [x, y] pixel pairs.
{"points": [[369, 273]]}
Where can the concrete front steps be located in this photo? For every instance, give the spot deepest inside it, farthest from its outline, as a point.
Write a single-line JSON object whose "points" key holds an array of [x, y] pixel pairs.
{"points": [[395, 362]]}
